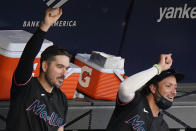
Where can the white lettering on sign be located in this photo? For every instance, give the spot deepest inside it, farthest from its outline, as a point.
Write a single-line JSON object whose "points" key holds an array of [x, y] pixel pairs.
{"points": [[177, 13], [68, 23], [85, 75]]}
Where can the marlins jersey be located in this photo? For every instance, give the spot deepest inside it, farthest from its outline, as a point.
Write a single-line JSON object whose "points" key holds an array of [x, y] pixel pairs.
{"points": [[31, 107], [136, 116], [34, 109]]}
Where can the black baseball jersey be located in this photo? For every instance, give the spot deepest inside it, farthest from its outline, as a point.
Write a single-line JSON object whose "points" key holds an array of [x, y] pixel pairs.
{"points": [[136, 116], [31, 107]]}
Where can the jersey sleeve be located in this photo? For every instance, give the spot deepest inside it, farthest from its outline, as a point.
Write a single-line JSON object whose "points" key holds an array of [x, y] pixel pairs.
{"points": [[23, 72], [135, 100]]}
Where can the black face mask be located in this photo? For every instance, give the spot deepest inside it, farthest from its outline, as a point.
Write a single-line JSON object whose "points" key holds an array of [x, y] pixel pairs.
{"points": [[162, 102]]}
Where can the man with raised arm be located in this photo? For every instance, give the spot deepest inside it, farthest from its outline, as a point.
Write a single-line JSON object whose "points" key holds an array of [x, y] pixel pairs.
{"points": [[37, 104], [143, 95]]}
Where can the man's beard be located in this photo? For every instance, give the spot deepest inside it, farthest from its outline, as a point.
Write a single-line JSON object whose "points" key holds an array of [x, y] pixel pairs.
{"points": [[50, 81]]}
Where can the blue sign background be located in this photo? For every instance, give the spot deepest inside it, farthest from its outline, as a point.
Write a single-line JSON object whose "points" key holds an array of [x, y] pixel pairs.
{"points": [[99, 26]]}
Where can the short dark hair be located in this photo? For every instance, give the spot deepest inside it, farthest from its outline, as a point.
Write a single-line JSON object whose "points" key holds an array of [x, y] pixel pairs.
{"points": [[156, 79], [50, 52]]}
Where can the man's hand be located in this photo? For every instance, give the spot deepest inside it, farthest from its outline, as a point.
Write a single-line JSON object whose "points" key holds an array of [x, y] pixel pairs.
{"points": [[165, 61], [51, 16], [61, 128]]}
